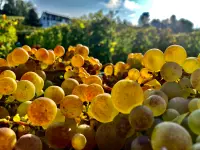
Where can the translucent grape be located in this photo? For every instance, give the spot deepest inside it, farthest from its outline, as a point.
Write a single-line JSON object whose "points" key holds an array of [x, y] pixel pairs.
{"points": [[7, 86], [194, 104], [194, 122], [172, 136], [80, 91], [173, 51], [59, 51], [20, 56], [185, 83], [8, 139], [68, 85], [160, 93], [108, 70], [126, 95], [3, 62], [55, 93], [51, 58], [26, 48], [28, 142], [79, 141], [93, 79], [25, 91], [8, 73], [180, 104], [42, 74], [119, 68], [195, 79], [42, 111], [33, 50], [23, 108], [69, 74], [82, 50], [92, 91], [141, 143], [133, 74], [170, 114], [134, 60], [42, 54], [171, 71], [141, 118], [3, 112], [196, 146], [153, 60], [191, 64], [77, 60], [10, 62], [71, 106], [102, 108]]}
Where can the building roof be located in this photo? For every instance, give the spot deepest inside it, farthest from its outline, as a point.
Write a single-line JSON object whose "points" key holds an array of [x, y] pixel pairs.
{"points": [[55, 14]]}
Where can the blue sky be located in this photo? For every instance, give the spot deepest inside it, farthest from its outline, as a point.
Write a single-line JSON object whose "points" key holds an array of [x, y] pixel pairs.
{"points": [[129, 9]]}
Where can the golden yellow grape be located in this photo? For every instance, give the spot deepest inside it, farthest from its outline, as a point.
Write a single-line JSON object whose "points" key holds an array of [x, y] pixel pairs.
{"points": [[191, 64], [41, 54], [3, 62], [59, 51], [20, 56], [153, 60], [93, 79], [80, 91], [68, 85], [7, 139], [7, 86], [108, 70], [8, 73], [82, 50], [175, 53], [93, 90], [119, 68], [10, 62], [33, 50], [26, 48], [51, 58], [78, 141], [133, 74], [126, 95], [77, 60]]}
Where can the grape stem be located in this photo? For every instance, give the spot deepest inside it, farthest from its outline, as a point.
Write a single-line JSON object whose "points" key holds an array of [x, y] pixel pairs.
{"points": [[5, 121]]}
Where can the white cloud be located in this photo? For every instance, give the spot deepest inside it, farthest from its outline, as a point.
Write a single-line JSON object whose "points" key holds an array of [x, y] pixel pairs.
{"points": [[113, 4], [131, 5]]}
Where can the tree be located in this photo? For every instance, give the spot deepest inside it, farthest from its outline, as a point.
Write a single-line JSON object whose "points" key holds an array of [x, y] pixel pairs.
{"points": [[185, 25], [32, 18], [144, 19], [9, 8]]}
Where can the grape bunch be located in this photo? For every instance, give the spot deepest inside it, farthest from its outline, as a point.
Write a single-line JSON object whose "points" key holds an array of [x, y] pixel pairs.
{"points": [[66, 99]]}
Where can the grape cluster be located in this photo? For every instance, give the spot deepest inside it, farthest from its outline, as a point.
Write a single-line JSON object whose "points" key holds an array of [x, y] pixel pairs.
{"points": [[66, 99]]}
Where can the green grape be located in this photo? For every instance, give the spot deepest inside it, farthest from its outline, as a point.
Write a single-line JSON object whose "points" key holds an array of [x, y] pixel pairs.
{"points": [[180, 104], [7, 139], [47, 84], [79, 141], [196, 146], [3, 112], [195, 79], [68, 85], [171, 71], [198, 139], [125, 95], [58, 135], [107, 138], [141, 143], [185, 83], [170, 114], [172, 136], [141, 118], [23, 108], [194, 121], [160, 93], [194, 104], [172, 89], [28, 142], [191, 64], [156, 103], [108, 70], [173, 51], [25, 91], [102, 108]]}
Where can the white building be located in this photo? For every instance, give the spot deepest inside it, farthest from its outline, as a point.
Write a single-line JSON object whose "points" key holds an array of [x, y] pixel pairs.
{"points": [[50, 19]]}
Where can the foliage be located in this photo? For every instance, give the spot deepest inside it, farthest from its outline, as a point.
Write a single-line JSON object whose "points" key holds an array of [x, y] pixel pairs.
{"points": [[32, 18]]}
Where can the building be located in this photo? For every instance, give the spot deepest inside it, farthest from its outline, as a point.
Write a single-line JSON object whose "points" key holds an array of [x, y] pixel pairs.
{"points": [[50, 19]]}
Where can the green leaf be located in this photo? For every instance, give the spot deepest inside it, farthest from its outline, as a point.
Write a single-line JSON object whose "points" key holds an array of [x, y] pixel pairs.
{"points": [[180, 118]]}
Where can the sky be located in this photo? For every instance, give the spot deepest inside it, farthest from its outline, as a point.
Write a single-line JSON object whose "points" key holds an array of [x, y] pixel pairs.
{"points": [[129, 9]]}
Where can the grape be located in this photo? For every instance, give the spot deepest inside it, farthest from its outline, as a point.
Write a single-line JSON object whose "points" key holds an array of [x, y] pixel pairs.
{"points": [[41, 54], [8, 139], [195, 79], [3, 62], [92, 91], [77, 61], [194, 122], [89, 133], [29, 142], [134, 60], [170, 114], [80, 91], [20, 56], [191, 64], [10, 62], [180, 104], [68, 85], [141, 143], [119, 67], [51, 58], [196, 146], [141, 118], [42, 111], [153, 60], [173, 51], [69, 74], [108, 70], [25, 91], [23, 108], [93, 79], [3, 112], [194, 104], [42, 74], [58, 135], [160, 93], [26, 48], [8, 73], [185, 83], [59, 51], [8, 86], [102, 108], [171, 71], [82, 50], [172, 89], [107, 138], [133, 74], [71, 106], [157, 104], [172, 136], [79, 141], [55, 93]]}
